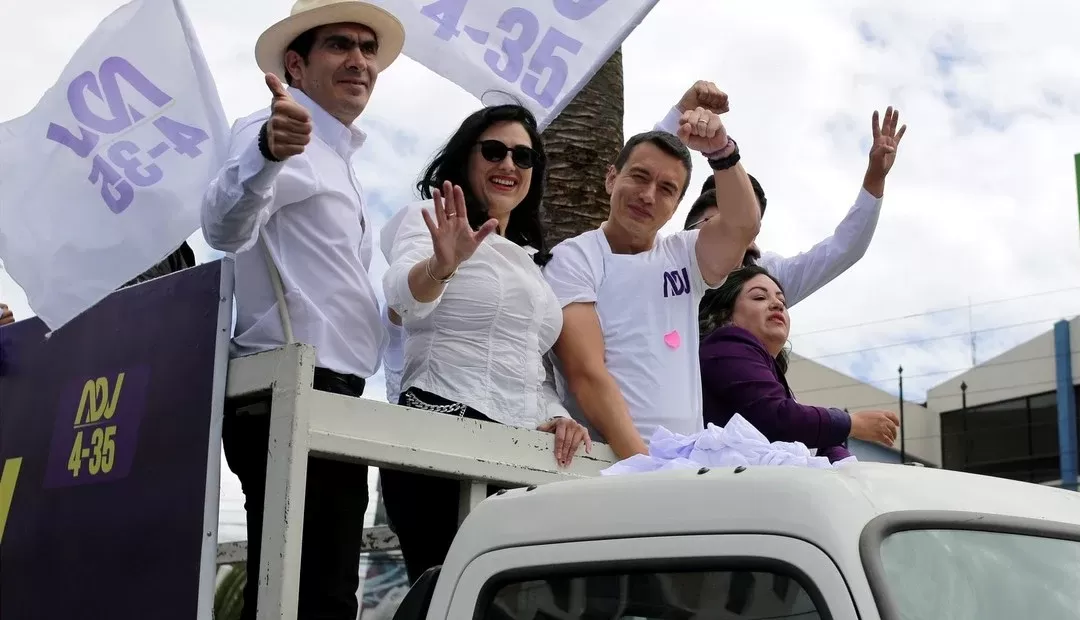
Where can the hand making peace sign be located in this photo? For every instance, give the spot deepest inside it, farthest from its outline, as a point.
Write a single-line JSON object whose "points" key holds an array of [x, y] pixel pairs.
{"points": [[452, 238]]}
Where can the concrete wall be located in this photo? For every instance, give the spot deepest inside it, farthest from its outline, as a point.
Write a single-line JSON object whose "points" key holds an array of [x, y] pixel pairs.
{"points": [[1022, 371], [814, 384]]}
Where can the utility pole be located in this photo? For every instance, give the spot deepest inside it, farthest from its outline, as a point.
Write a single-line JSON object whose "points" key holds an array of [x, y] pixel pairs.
{"points": [[1076, 162], [903, 452], [971, 335]]}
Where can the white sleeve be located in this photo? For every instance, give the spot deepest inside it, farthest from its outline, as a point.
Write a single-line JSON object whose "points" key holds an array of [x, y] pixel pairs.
{"points": [[806, 272], [393, 359], [412, 244], [249, 189], [670, 123], [570, 273]]}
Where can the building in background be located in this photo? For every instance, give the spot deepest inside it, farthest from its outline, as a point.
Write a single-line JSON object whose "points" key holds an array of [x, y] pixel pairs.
{"points": [[814, 384], [1002, 418], [1005, 417]]}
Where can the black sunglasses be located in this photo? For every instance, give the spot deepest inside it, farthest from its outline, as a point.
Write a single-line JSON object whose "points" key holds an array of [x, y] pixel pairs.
{"points": [[524, 157]]}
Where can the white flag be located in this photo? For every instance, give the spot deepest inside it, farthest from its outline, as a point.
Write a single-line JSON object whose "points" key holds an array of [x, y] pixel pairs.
{"points": [[541, 55], [104, 177]]}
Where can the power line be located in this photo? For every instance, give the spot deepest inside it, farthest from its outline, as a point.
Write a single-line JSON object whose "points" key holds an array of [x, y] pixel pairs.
{"points": [[925, 340], [1047, 386], [938, 311], [863, 383]]}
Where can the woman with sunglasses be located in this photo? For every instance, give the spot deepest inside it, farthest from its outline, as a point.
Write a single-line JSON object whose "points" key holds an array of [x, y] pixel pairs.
{"points": [[478, 316]]}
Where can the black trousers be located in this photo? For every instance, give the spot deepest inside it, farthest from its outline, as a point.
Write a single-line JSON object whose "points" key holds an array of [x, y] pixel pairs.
{"points": [[423, 510], [334, 506]]}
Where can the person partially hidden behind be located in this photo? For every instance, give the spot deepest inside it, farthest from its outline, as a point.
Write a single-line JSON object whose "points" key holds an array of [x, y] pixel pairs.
{"points": [[179, 259], [745, 326], [806, 272]]}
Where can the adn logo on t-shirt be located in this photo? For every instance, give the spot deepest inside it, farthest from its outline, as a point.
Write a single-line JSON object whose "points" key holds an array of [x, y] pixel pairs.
{"points": [[676, 283]]}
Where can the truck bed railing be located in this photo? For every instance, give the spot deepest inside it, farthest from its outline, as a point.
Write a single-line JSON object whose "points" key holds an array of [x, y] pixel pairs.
{"points": [[306, 422]]}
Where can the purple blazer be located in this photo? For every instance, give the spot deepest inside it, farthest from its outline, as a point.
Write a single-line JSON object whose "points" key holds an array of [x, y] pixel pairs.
{"points": [[739, 376]]}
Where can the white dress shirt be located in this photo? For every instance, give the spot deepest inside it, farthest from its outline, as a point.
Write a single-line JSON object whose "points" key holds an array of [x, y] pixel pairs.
{"points": [[481, 343], [310, 211], [806, 272]]}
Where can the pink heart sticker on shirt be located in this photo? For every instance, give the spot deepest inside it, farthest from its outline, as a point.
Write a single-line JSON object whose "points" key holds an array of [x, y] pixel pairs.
{"points": [[672, 339]]}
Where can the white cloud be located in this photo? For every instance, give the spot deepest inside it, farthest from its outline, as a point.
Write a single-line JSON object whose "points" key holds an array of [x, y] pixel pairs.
{"points": [[981, 205]]}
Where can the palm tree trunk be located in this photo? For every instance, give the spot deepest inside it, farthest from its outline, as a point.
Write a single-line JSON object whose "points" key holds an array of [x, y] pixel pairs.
{"points": [[581, 142], [229, 595]]}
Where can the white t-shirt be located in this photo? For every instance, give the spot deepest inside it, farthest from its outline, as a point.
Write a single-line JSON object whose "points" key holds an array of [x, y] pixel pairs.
{"points": [[648, 309]]}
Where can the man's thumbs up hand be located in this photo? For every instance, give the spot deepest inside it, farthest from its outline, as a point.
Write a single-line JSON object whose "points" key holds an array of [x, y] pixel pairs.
{"points": [[289, 129]]}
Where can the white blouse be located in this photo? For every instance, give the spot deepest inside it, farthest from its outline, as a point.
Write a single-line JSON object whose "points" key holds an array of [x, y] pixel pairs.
{"points": [[482, 342]]}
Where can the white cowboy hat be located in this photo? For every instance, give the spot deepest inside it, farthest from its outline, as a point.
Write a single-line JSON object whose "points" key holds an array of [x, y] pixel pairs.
{"points": [[308, 14]]}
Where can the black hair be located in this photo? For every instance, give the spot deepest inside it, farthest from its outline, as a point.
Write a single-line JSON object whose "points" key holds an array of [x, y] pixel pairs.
{"points": [[451, 164], [301, 45], [704, 201], [718, 305], [709, 188], [666, 142]]}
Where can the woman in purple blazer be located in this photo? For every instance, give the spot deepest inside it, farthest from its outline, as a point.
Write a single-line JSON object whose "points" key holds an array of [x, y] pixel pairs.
{"points": [[744, 327]]}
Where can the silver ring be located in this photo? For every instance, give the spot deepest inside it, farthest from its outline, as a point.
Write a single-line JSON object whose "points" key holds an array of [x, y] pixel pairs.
{"points": [[702, 120]]}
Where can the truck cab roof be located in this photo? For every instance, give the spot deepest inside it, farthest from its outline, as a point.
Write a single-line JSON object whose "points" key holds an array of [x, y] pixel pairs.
{"points": [[820, 505], [830, 524]]}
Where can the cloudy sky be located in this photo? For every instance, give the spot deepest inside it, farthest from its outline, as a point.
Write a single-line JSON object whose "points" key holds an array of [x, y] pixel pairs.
{"points": [[980, 208]]}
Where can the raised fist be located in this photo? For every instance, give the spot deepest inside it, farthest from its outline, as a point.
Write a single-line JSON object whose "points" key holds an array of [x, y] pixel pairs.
{"points": [[289, 129], [706, 95], [703, 131]]}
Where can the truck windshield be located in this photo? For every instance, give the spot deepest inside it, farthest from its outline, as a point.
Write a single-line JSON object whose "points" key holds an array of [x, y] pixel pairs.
{"points": [[962, 574], [644, 595]]}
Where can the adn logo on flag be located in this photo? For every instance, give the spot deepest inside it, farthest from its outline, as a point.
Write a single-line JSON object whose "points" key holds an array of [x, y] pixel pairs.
{"points": [[542, 52], [105, 176], [124, 166]]}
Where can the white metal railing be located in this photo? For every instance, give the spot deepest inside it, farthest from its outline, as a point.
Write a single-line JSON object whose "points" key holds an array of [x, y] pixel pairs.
{"points": [[306, 422]]}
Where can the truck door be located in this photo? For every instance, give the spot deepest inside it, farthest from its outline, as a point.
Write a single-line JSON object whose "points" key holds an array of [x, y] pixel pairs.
{"points": [[724, 576]]}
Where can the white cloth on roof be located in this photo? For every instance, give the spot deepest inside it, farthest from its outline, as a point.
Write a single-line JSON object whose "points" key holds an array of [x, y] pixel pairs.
{"points": [[737, 443]]}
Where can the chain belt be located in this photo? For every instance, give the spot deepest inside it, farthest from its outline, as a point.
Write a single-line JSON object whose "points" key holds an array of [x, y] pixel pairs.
{"points": [[453, 408]]}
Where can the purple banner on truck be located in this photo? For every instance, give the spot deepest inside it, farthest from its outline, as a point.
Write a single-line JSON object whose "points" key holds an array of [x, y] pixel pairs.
{"points": [[105, 435]]}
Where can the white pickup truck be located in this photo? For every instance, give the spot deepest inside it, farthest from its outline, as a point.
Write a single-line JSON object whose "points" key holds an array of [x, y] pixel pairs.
{"points": [[863, 542]]}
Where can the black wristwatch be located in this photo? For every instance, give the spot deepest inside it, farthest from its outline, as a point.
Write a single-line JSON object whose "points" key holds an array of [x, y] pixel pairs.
{"points": [[728, 161], [264, 143]]}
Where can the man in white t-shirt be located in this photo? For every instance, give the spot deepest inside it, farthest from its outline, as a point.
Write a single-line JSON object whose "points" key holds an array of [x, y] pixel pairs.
{"points": [[627, 358]]}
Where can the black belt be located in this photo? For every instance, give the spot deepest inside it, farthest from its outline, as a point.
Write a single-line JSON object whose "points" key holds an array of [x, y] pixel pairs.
{"points": [[339, 383], [325, 380]]}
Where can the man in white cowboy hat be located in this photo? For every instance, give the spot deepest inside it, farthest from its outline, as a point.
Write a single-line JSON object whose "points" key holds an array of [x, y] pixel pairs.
{"points": [[289, 186]]}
